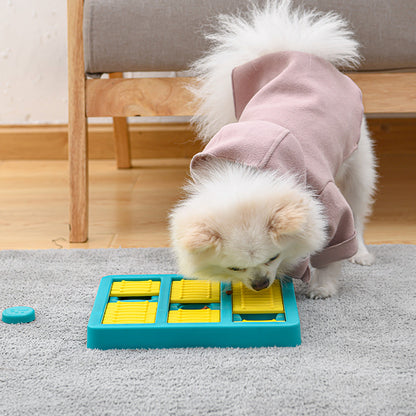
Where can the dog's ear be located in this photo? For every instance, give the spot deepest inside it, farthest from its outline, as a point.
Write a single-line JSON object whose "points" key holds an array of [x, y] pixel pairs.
{"points": [[200, 237], [288, 218]]}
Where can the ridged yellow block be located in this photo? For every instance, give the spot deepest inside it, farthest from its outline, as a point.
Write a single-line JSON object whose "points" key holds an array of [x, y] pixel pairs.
{"points": [[130, 313], [266, 301], [195, 291], [135, 288], [182, 316], [263, 320]]}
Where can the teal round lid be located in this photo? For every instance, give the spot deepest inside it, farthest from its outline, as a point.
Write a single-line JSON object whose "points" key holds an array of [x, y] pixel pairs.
{"points": [[18, 315]]}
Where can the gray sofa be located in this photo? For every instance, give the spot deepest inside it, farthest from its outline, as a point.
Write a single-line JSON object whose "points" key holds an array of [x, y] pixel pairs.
{"points": [[116, 36], [167, 35]]}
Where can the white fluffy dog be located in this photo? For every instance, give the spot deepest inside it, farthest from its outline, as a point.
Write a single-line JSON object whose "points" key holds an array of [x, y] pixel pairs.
{"points": [[286, 183]]}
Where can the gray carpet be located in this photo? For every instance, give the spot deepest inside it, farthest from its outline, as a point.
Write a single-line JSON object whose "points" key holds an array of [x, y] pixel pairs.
{"points": [[357, 355]]}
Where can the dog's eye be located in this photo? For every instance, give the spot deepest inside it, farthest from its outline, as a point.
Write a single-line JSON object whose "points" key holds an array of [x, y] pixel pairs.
{"points": [[236, 269], [272, 259]]}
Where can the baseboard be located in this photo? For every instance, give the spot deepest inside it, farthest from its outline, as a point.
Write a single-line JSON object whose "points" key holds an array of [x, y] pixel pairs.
{"points": [[50, 142], [167, 140]]}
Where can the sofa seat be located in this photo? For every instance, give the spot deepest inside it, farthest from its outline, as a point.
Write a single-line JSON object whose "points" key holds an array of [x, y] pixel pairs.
{"points": [[166, 35]]}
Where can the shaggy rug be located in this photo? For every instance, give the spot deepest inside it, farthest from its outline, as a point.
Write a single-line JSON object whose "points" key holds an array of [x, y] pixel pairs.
{"points": [[357, 354]]}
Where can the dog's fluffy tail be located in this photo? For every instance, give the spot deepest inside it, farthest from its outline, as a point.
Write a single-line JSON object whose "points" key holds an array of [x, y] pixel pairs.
{"points": [[277, 26]]}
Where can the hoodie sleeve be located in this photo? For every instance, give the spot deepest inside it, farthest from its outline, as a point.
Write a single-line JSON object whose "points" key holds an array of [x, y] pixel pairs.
{"points": [[342, 242]]}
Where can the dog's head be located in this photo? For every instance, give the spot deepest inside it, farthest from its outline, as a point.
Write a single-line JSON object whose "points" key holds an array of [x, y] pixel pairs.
{"points": [[244, 225]]}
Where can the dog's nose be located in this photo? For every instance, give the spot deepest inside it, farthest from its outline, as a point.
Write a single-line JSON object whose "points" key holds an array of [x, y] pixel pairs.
{"points": [[260, 283]]}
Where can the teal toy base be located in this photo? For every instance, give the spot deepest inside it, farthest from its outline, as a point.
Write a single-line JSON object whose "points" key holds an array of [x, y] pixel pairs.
{"points": [[231, 331]]}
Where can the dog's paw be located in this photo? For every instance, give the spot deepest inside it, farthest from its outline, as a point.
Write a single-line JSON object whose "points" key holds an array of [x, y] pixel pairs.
{"points": [[322, 292], [324, 282], [363, 257]]}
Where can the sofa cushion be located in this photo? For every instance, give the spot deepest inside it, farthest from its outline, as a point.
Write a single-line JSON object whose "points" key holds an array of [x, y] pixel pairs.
{"points": [[166, 35]]}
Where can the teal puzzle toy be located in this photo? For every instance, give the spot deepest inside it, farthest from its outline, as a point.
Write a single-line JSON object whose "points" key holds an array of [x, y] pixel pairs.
{"points": [[166, 311]]}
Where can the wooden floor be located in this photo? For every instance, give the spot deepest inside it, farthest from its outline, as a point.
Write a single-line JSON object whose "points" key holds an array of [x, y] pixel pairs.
{"points": [[128, 208]]}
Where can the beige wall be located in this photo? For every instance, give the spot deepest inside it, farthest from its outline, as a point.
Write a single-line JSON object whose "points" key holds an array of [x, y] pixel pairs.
{"points": [[32, 61]]}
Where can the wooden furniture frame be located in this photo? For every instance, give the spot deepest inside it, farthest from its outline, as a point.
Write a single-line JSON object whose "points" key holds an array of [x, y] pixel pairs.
{"points": [[384, 94]]}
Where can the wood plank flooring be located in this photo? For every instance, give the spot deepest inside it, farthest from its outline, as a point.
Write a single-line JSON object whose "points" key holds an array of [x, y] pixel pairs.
{"points": [[128, 208]]}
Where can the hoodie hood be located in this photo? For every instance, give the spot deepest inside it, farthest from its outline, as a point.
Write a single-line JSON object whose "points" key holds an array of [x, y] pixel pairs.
{"points": [[255, 143]]}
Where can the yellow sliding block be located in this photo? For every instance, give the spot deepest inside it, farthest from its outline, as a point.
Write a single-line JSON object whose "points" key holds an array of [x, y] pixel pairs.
{"points": [[135, 288], [187, 316], [266, 301], [194, 291], [130, 313], [263, 320]]}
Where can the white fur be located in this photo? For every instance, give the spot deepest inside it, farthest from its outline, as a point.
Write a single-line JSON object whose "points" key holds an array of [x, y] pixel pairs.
{"points": [[240, 39], [233, 205], [235, 216]]}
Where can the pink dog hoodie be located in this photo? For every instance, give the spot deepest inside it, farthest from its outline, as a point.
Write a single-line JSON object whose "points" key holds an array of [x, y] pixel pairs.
{"points": [[296, 113]]}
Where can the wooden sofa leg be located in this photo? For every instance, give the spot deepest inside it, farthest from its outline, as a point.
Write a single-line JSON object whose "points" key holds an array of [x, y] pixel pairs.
{"points": [[78, 181], [77, 126], [121, 136]]}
